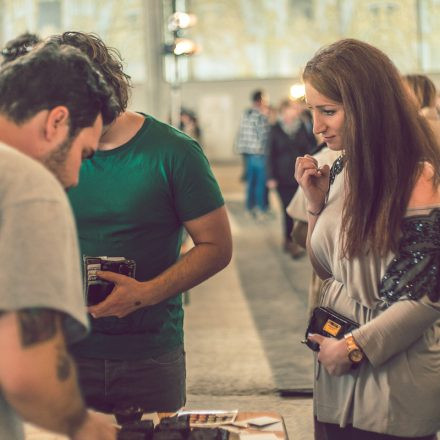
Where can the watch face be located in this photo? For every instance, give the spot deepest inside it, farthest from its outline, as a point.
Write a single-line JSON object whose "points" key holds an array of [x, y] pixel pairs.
{"points": [[355, 355]]}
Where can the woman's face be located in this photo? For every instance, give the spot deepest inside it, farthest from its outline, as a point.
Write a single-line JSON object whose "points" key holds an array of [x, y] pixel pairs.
{"points": [[328, 117]]}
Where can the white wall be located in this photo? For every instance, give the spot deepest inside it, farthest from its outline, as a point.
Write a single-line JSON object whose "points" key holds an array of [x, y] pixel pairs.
{"points": [[219, 106]]}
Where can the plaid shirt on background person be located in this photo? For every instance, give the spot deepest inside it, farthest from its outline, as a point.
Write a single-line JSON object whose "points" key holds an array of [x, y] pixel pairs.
{"points": [[252, 133]]}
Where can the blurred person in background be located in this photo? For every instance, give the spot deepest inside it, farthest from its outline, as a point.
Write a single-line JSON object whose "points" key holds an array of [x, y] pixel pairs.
{"points": [[288, 139], [19, 46], [251, 143], [425, 94], [189, 124], [373, 234]]}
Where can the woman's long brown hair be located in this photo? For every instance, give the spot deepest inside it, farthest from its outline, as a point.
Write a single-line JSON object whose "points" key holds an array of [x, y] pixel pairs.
{"points": [[384, 138]]}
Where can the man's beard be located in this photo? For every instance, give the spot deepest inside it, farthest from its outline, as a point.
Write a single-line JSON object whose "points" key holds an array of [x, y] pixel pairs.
{"points": [[56, 161]]}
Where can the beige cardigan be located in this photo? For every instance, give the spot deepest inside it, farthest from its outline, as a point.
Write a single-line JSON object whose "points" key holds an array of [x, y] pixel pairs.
{"points": [[397, 390]]}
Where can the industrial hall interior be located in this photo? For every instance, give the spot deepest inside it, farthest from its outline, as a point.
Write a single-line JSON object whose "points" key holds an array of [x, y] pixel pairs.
{"points": [[220, 219]]}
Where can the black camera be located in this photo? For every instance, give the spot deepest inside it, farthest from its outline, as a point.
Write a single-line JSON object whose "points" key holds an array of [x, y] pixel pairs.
{"points": [[97, 289]]}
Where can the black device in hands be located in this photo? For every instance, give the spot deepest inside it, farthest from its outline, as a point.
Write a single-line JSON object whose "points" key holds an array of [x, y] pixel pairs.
{"points": [[327, 322], [97, 289]]}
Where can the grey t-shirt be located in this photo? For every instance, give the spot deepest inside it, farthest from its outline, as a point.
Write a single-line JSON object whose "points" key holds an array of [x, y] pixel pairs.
{"points": [[39, 259]]}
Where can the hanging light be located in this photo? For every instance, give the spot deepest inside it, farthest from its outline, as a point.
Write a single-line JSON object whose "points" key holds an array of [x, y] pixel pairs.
{"points": [[181, 20], [297, 91], [182, 46]]}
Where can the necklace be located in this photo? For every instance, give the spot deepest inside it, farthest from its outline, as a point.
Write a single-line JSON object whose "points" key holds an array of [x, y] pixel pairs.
{"points": [[337, 167]]}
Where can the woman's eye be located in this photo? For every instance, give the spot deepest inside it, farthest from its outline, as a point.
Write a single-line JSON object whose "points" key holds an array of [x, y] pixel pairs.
{"points": [[328, 112]]}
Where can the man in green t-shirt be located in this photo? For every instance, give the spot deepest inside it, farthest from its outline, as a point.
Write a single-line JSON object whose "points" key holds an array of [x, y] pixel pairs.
{"points": [[146, 183]]}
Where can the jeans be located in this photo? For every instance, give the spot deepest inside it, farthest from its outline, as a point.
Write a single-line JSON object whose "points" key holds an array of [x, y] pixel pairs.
{"points": [[256, 182], [154, 384]]}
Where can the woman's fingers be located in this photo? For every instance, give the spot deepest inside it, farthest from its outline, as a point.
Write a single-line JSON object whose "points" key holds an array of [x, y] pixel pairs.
{"points": [[305, 169], [312, 159], [309, 173]]}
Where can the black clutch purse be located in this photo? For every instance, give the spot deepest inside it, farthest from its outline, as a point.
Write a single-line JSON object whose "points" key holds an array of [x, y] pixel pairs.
{"points": [[326, 322]]}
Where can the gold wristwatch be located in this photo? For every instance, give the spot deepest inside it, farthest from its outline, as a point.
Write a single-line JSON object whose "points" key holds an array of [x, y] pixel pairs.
{"points": [[355, 354]]}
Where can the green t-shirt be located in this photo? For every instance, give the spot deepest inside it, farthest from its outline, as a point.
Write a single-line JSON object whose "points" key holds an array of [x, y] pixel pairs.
{"points": [[131, 202]]}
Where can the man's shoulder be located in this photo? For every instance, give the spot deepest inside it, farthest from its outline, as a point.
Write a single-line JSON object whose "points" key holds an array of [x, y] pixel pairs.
{"points": [[166, 143], [253, 113], [165, 135], [10, 157], [24, 178]]}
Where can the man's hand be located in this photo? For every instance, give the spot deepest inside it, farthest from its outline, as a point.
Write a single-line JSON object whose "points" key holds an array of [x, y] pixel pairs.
{"points": [[333, 354], [212, 251], [125, 298], [95, 426]]}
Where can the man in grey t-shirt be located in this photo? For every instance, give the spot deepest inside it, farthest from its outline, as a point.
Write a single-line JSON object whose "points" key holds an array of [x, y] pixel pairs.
{"points": [[53, 108]]}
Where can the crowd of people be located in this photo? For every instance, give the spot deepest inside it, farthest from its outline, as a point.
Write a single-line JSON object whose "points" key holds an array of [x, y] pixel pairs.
{"points": [[368, 206], [269, 141]]}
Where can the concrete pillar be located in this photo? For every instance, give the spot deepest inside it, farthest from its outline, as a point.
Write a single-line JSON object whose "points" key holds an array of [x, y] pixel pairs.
{"points": [[156, 93]]}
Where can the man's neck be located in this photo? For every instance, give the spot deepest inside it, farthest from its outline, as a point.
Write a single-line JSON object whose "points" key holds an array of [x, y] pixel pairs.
{"points": [[123, 129]]}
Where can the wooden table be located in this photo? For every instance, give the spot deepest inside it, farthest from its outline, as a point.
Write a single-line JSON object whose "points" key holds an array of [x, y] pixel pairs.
{"points": [[248, 433], [278, 428]]}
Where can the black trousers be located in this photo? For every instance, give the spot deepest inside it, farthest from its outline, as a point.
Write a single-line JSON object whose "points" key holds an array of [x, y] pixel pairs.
{"points": [[286, 192], [330, 431]]}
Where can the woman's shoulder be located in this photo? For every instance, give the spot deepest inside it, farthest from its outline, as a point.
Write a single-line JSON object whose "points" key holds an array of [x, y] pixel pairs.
{"points": [[425, 192]]}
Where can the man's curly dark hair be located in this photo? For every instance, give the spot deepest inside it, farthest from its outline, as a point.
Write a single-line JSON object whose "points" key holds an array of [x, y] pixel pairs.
{"points": [[52, 75], [106, 59]]}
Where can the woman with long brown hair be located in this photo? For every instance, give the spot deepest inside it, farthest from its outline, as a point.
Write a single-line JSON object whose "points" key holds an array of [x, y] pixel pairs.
{"points": [[374, 236]]}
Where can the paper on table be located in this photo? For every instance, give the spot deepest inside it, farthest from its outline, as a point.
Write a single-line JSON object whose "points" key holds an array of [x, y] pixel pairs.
{"points": [[262, 421], [259, 436]]}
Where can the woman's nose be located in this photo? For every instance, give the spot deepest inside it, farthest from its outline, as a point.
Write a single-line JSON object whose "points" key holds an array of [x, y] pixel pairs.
{"points": [[318, 124]]}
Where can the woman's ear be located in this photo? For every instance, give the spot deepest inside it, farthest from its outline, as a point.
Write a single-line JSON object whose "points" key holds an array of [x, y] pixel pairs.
{"points": [[57, 124]]}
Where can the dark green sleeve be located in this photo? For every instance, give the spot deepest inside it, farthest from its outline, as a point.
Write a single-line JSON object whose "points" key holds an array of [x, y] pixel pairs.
{"points": [[195, 189]]}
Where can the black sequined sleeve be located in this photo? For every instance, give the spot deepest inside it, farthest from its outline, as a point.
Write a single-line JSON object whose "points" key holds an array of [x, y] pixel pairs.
{"points": [[415, 270]]}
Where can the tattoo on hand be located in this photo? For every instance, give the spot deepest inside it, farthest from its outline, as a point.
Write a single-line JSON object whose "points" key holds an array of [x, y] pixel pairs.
{"points": [[64, 364], [36, 325], [137, 303]]}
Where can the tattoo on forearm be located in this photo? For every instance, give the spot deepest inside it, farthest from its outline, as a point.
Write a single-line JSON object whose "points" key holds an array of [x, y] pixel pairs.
{"points": [[36, 325], [64, 364]]}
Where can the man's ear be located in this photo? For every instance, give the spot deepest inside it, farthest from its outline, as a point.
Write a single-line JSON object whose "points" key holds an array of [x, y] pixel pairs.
{"points": [[57, 123]]}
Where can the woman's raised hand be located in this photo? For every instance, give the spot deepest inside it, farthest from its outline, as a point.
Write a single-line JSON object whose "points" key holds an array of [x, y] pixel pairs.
{"points": [[313, 180]]}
